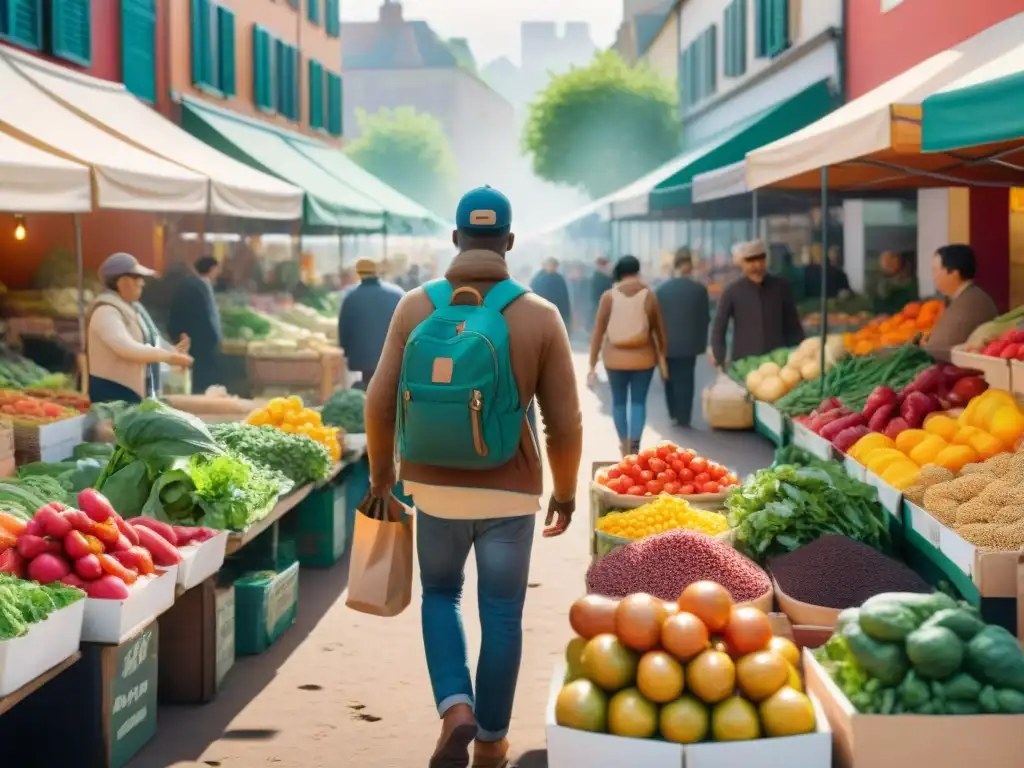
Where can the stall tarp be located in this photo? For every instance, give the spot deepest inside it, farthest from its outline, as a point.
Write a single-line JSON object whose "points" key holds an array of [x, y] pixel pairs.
{"points": [[124, 176], [877, 134], [328, 201], [983, 107], [34, 181], [403, 214], [723, 182], [235, 188]]}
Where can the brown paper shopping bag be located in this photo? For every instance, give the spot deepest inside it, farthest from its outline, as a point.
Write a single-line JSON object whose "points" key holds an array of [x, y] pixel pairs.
{"points": [[380, 568]]}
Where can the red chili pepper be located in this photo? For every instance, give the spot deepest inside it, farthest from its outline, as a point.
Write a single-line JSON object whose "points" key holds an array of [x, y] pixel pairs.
{"points": [[112, 566]]}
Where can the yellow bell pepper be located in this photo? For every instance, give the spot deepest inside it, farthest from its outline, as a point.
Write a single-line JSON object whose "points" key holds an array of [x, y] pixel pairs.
{"points": [[990, 402], [901, 474], [955, 457], [868, 443], [880, 459], [1007, 425], [942, 425], [926, 451], [909, 439], [963, 437], [985, 445]]}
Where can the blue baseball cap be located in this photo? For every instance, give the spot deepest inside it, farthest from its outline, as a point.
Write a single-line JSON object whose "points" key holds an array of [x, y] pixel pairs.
{"points": [[485, 211]]}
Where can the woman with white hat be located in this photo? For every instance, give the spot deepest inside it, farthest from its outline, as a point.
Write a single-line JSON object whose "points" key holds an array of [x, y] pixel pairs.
{"points": [[123, 346]]}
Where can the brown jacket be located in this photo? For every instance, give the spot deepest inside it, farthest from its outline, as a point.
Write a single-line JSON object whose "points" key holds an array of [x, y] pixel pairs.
{"points": [[543, 368], [965, 312], [632, 359]]}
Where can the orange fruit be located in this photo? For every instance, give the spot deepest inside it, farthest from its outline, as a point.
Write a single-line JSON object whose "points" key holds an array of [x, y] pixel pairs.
{"points": [[711, 676], [708, 601], [787, 713], [660, 677], [785, 648], [684, 636], [748, 630], [761, 674]]}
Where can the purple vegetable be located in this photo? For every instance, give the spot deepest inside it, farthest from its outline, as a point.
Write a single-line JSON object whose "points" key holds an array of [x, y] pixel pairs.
{"points": [[928, 380], [918, 405], [845, 440], [833, 428], [896, 426], [880, 418], [879, 396]]}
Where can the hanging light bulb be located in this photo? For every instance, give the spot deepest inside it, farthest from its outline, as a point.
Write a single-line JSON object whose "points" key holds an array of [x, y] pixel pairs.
{"points": [[19, 228]]}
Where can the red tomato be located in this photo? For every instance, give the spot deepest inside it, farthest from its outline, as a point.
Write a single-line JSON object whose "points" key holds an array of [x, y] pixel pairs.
{"points": [[672, 488], [677, 465], [655, 486], [647, 454], [614, 472], [601, 478], [698, 464], [731, 479], [628, 462], [666, 450], [717, 471], [668, 476], [620, 484], [686, 475], [646, 476], [702, 478], [689, 453], [636, 490], [684, 458], [657, 465], [635, 471], [712, 487], [687, 490]]}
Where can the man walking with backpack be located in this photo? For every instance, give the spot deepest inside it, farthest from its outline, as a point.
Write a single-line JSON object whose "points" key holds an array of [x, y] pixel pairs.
{"points": [[463, 359]]}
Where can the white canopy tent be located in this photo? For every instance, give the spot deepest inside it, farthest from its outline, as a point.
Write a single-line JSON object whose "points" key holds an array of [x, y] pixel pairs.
{"points": [[34, 181]]}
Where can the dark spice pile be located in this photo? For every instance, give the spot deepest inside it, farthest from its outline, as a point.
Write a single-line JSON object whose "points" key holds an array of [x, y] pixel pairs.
{"points": [[838, 572]]}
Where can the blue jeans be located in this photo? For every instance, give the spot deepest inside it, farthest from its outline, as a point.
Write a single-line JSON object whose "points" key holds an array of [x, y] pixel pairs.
{"points": [[629, 401], [503, 548]]}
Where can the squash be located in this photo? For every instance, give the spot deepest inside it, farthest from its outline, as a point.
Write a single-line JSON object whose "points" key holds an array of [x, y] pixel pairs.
{"points": [[810, 370], [886, 661], [887, 620], [770, 389], [753, 380], [994, 656], [935, 652], [791, 376], [963, 622], [769, 369]]}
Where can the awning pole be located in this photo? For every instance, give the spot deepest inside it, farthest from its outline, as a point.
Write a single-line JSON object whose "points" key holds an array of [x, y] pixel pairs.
{"points": [[753, 217], [341, 251], [80, 267], [824, 274], [384, 243]]}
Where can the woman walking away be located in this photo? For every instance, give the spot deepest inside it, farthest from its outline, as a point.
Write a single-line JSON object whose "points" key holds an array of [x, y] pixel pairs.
{"points": [[629, 333]]}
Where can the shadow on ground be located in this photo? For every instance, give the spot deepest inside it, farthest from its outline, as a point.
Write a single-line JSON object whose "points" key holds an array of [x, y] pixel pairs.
{"points": [[186, 732]]}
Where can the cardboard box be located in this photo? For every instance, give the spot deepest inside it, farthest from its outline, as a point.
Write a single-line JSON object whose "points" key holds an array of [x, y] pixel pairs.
{"points": [[224, 604], [265, 607], [1017, 377], [188, 638], [569, 748], [48, 442], [111, 621], [770, 422], [855, 469], [816, 445], [888, 496], [899, 741], [200, 561], [47, 644], [996, 371], [105, 705], [318, 527]]}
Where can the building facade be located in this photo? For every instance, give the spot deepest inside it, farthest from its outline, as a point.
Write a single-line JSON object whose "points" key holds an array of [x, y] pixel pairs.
{"points": [[888, 37], [662, 53]]}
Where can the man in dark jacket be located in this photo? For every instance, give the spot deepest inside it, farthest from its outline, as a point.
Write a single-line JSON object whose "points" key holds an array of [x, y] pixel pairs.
{"points": [[761, 307], [600, 282], [364, 319], [687, 312], [550, 284], [194, 314]]}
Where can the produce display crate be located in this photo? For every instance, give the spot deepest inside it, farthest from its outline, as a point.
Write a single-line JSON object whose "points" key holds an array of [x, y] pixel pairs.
{"points": [[324, 373], [1017, 377], [892, 501], [569, 748], [891, 741], [816, 445], [266, 605], [106, 705], [995, 370], [318, 526], [47, 644], [770, 423], [48, 442], [991, 581]]}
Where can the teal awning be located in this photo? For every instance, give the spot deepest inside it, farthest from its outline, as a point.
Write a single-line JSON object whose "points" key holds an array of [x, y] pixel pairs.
{"points": [[985, 106], [403, 214], [329, 202], [670, 186]]}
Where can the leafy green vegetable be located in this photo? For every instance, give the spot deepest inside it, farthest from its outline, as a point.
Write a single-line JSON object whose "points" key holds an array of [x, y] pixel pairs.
{"points": [[345, 409], [101, 451], [23, 603], [297, 457], [782, 508], [19, 500], [739, 370], [128, 488], [243, 323]]}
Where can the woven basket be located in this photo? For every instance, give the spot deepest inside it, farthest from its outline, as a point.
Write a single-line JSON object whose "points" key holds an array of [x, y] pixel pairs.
{"points": [[611, 500]]}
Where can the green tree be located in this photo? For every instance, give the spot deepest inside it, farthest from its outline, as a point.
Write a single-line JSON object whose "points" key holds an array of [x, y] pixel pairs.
{"points": [[409, 151], [602, 126]]}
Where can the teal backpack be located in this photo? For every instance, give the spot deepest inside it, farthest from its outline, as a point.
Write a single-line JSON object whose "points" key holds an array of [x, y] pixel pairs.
{"points": [[458, 403]]}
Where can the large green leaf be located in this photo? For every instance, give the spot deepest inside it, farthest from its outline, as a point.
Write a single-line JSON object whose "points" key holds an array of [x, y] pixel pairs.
{"points": [[158, 434]]}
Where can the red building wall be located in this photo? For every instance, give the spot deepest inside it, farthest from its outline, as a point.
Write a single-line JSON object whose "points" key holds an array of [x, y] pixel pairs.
{"points": [[880, 46]]}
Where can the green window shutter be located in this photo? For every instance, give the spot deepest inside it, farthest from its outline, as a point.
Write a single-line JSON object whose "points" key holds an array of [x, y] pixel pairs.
{"points": [[778, 39], [316, 94], [226, 81], [313, 11], [138, 48], [333, 21], [280, 76], [287, 80], [204, 64], [729, 63], [712, 59], [262, 74], [763, 27], [21, 22], [740, 20], [334, 104], [71, 31]]}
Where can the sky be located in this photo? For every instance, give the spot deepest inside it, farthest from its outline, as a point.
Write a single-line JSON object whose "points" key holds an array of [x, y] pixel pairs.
{"points": [[492, 26]]}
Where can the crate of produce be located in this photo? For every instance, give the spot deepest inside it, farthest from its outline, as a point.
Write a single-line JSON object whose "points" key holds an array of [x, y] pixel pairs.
{"points": [[106, 705], [770, 423], [996, 370], [318, 527], [266, 605], [47, 643], [110, 621], [898, 741], [816, 445], [54, 441]]}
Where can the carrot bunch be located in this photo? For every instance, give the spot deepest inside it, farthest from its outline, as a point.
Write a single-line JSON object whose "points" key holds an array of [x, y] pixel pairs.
{"points": [[916, 317]]}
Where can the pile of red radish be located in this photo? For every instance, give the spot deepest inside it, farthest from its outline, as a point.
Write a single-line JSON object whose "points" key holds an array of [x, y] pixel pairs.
{"points": [[94, 548]]}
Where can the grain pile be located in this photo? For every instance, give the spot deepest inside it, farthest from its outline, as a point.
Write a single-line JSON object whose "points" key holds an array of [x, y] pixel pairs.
{"points": [[664, 565], [839, 572]]}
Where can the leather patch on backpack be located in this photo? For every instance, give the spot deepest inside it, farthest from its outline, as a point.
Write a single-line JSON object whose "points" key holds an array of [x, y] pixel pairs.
{"points": [[441, 373]]}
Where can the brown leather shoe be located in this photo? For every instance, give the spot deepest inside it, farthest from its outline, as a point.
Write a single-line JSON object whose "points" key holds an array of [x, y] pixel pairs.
{"points": [[457, 732], [490, 754]]}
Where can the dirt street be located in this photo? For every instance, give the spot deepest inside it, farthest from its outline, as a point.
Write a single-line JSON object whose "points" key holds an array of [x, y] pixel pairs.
{"points": [[346, 690]]}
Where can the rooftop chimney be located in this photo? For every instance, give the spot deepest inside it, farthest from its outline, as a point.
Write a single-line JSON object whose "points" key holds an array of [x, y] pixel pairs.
{"points": [[391, 12]]}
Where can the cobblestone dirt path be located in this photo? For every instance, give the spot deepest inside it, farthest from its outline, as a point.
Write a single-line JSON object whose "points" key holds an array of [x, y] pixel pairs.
{"points": [[345, 690]]}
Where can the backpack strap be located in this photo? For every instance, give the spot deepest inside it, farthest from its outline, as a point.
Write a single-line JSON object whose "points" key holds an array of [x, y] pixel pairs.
{"points": [[504, 293], [439, 292]]}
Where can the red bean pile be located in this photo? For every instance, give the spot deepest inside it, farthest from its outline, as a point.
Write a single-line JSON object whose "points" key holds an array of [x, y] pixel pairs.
{"points": [[664, 565], [839, 572]]}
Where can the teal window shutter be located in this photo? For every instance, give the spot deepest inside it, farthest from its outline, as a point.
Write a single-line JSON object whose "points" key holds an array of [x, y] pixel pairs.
{"points": [[280, 76], [778, 39], [712, 59], [333, 21], [71, 31], [21, 22], [334, 104], [203, 64], [226, 81], [762, 16], [138, 48], [740, 38], [293, 89], [728, 24], [262, 78], [313, 11], [287, 80], [316, 94]]}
